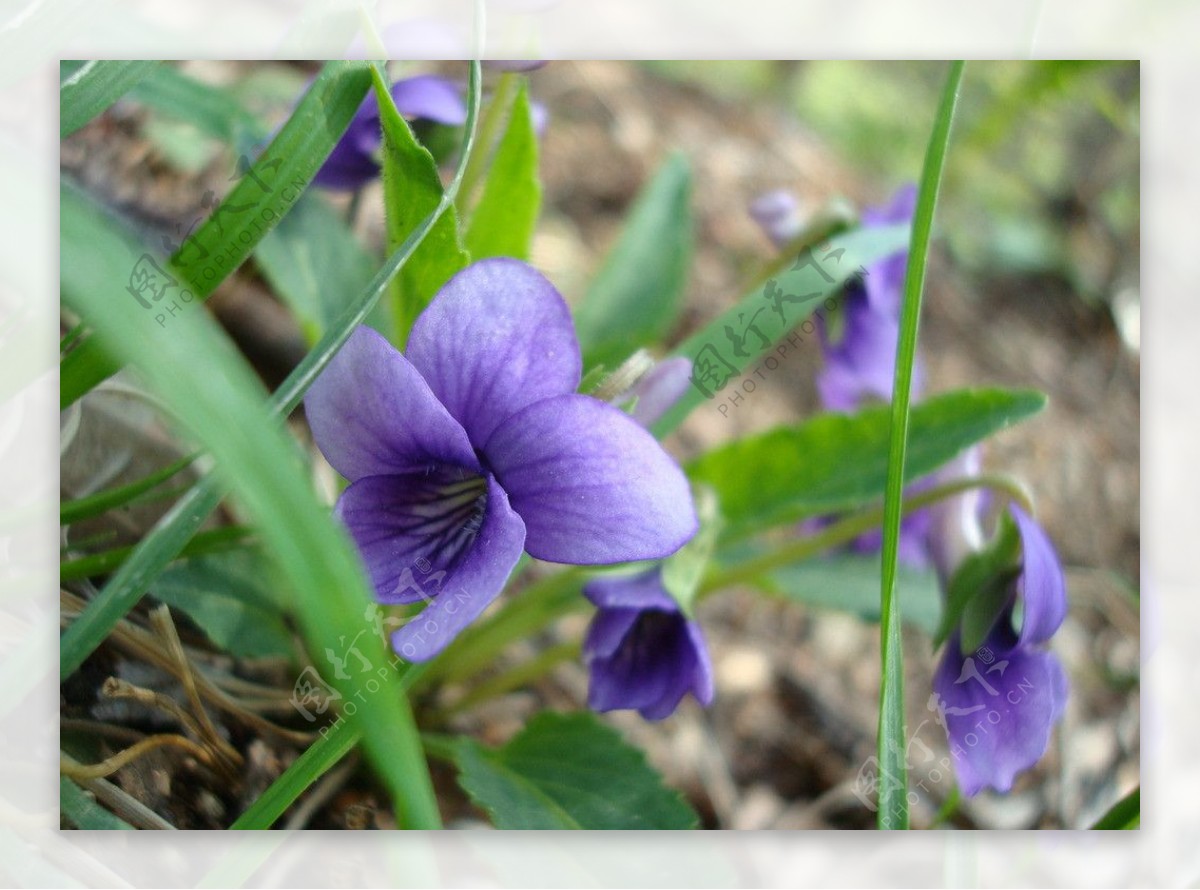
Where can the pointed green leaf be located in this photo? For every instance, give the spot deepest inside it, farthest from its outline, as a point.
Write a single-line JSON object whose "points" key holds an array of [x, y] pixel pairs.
{"points": [[636, 296], [502, 223], [568, 771], [412, 190]]}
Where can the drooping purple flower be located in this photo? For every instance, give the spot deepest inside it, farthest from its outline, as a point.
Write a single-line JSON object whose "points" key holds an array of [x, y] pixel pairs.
{"points": [[354, 161], [474, 446], [1000, 702], [642, 652], [861, 363], [779, 215]]}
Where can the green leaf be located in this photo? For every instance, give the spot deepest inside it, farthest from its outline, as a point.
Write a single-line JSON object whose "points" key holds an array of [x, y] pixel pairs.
{"points": [[412, 190], [211, 541], [851, 584], [219, 399], [893, 796], [568, 771], [231, 596], [81, 810], [817, 275], [836, 462], [87, 89], [1125, 815], [636, 296], [502, 222], [261, 198], [313, 261]]}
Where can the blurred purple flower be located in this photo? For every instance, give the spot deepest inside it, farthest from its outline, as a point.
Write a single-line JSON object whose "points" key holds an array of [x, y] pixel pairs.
{"points": [[778, 214], [1000, 702], [862, 363], [642, 652], [354, 161], [474, 446]]}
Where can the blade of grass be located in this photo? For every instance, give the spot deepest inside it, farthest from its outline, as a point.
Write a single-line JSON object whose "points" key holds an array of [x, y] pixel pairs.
{"points": [[88, 89], [110, 498], [228, 537], [228, 414], [893, 787], [262, 197]]}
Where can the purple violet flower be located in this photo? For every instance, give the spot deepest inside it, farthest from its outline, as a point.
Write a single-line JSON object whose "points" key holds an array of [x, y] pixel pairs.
{"points": [[862, 363], [354, 161], [779, 215], [474, 446], [999, 703], [642, 652]]}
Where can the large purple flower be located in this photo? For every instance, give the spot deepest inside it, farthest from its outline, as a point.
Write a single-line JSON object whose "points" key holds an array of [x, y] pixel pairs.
{"points": [[354, 161], [475, 446], [999, 702], [861, 363], [642, 651]]}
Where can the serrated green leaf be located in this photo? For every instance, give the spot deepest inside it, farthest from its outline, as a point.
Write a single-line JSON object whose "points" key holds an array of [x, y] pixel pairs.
{"points": [[851, 584], [636, 296], [314, 262], [412, 190], [88, 88], [568, 771], [754, 321], [502, 222], [837, 462], [231, 596]]}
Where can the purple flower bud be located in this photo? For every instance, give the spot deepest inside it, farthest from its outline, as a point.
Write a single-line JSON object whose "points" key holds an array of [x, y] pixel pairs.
{"points": [[779, 215], [643, 653]]}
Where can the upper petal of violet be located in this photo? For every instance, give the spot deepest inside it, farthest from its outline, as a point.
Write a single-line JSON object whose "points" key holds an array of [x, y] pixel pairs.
{"points": [[1042, 589], [372, 415], [592, 486], [496, 338]]}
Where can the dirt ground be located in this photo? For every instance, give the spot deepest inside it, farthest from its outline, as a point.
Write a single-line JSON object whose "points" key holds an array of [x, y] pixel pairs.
{"points": [[794, 718]]}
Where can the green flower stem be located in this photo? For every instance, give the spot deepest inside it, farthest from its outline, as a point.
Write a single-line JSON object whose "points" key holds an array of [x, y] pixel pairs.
{"points": [[846, 530], [517, 676], [489, 130]]}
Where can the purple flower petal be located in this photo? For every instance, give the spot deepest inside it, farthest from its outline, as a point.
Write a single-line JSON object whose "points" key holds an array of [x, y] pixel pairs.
{"points": [[862, 363], [496, 338], [414, 530], [428, 97], [956, 523], [1042, 588], [642, 653], [476, 581], [998, 716], [592, 486], [372, 415]]}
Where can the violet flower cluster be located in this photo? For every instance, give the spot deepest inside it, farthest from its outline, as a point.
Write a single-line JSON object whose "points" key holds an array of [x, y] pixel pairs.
{"points": [[473, 446]]}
